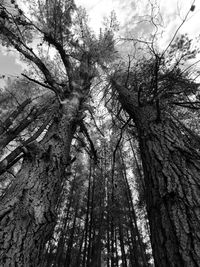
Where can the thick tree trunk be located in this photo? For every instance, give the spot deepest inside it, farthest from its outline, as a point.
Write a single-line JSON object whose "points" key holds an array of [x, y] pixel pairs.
{"points": [[28, 208], [172, 177]]}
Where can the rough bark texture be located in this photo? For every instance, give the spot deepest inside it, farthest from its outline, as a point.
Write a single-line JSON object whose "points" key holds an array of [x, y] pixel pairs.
{"points": [[172, 178], [28, 208]]}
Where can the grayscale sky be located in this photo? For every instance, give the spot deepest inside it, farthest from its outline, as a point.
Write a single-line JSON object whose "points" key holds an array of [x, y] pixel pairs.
{"points": [[173, 12], [8, 64]]}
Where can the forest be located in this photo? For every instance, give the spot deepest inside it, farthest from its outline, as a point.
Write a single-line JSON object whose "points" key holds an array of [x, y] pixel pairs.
{"points": [[99, 141]]}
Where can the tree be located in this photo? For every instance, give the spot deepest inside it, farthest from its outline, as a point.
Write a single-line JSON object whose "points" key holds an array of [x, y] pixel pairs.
{"points": [[71, 201], [152, 91], [28, 207]]}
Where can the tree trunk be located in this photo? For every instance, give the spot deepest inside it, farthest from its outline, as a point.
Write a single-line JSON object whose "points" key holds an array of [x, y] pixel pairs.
{"points": [[71, 240], [121, 239], [91, 233], [28, 208], [116, 248], [135, 233], [172, 177], [64, 229], [78, 259], [87, 220]]}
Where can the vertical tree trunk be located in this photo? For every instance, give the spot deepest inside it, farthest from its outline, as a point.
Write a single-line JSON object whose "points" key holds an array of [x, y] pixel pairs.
{"points": [[135, 233], [116, 249], [97, 242], [87, 220], [64, 228], [28, 208], [121, 239], [71, 240], [172, 177], [78, 260], [91, 233], [133, 259]]}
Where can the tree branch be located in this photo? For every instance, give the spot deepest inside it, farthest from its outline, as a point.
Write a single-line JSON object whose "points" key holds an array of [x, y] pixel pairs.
{"points": [[85, 131], [35, 81], [9, 121], [14, 156], [18, 44]]}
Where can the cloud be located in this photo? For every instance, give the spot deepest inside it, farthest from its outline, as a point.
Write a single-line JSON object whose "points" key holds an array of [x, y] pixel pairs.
{"points": [[130, 12], [8, 64]]}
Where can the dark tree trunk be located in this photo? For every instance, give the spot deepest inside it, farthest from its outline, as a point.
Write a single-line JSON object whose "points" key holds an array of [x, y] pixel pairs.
{"points": [[108, 238], [28, 208], [116, 249], [71, 240], [91, 233], [64, 230], [87, 221], [121, 239], [97, 244], [132, 254], [78, 259], [135, 233], [172, 177]]}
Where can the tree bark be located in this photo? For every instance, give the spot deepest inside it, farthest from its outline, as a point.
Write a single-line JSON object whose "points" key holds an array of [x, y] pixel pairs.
{"points": [[121, 239], [172, 177], [28, 208], [71, 240], [87, 220], [60, 250]]}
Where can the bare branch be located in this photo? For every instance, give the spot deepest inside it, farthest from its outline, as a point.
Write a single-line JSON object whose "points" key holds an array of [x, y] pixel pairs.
{"points": [[85, 131], [184, 20], [14, 156], [18, 45], [37, 82], [8, 122]]}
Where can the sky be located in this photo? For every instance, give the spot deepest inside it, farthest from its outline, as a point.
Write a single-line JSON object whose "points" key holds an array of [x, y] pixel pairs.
{"points": [[128, 14]]}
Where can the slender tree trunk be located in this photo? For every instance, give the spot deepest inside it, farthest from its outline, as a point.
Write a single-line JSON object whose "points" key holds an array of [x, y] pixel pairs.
{"points": [[71, 240], [121, 239], [172, 177], [133, 221], [116, 249], [97, 245], [108, 237], [107, 203], [112, 224], [64, 228], [87, 221], [132, 256], [28, 208], [91, 233], [134, 252], [78, 260]]}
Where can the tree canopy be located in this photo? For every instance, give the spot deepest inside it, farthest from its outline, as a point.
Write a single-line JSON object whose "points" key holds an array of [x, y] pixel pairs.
{"points": [[99, 143]]}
